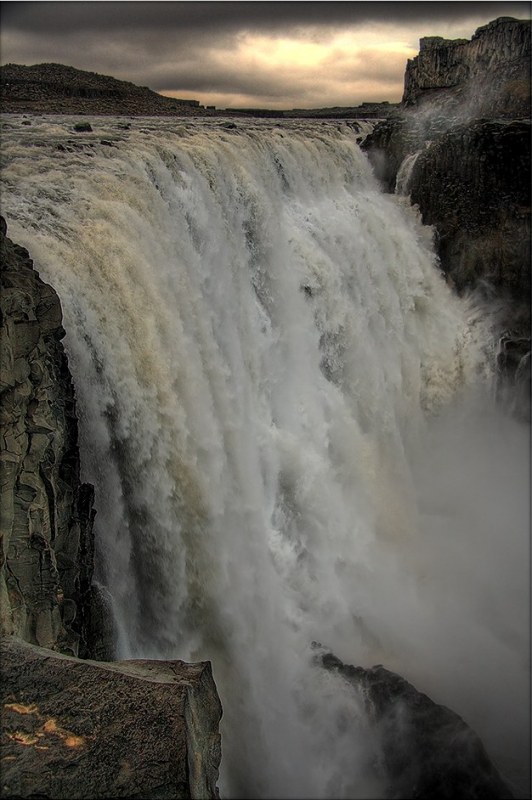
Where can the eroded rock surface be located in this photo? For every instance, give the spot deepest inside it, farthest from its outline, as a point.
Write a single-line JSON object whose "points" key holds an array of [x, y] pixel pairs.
{"points": [[428, 751], [487, 76], [77, 729], [473, 184], [46, 511]]}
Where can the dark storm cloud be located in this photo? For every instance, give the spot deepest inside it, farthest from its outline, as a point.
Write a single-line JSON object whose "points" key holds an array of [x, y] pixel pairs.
{"points": [[68, 17], [274, 53]]}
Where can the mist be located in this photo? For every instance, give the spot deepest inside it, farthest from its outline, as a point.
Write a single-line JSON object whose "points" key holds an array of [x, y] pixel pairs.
{"points": [[472, 616]]}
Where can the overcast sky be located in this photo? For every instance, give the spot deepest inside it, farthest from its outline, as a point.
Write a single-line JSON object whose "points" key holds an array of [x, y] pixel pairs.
{"points": [[274, 55]]}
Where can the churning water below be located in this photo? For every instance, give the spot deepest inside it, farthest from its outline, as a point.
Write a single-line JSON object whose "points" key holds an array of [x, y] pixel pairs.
{"points": [[288, 419]]}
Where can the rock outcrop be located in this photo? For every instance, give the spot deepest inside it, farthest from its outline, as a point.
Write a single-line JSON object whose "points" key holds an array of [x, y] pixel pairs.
{"points": [[47, 513], [473, 184], [464, 130], [487, 76], [60, 89], [77, 729], [428, 751]]}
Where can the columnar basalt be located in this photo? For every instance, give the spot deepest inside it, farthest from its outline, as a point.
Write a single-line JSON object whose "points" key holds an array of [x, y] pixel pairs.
{"points": [[487, 76], [46, 511], [466, 113]]}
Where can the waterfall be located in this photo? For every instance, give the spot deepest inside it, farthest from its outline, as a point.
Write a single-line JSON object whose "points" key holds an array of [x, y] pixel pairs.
{"points": [[404, 173], [287, 417]]}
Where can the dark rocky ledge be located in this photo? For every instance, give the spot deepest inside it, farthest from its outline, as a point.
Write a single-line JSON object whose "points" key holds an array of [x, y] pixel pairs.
{"points": [[428, 751], [83, 730], [60, 89]]}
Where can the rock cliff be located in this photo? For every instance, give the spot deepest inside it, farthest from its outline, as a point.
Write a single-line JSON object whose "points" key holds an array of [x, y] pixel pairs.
{"points": [[464, 132], [487, 76], [47, 513], [83, 729], [428, 751], [473, 184]]}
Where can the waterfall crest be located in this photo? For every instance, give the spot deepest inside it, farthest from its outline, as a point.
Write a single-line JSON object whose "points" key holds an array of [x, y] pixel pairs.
{"points": [[264, 353]]}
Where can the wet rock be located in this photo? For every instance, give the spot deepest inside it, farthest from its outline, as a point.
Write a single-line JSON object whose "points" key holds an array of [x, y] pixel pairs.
{"points": [[473, 184], [74, 729], [46, 512], [83, 127], [428, 751], [471, 178]]}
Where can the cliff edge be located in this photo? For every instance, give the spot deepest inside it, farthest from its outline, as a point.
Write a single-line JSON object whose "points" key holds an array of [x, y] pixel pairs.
{"points": [[460, 148], [487, 76], [84, 729], [47, 514], [74, 728]]}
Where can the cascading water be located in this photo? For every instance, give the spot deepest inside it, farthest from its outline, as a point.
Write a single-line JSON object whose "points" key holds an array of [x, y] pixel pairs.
{"points": [[404, 173], [281, 403]]}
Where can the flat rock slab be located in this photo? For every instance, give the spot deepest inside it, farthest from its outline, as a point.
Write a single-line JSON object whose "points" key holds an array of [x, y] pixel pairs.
{"points": [[86, 729]]}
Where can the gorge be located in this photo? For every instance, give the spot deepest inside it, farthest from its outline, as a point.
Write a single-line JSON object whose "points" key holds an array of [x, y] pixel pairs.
{"points": [[291, 424]]}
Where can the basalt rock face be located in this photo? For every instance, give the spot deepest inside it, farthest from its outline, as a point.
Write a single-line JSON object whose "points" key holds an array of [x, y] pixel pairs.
{"points": [[466, 114], [46, 511], [487, 76], [74, 728], [77, 729], [428, 751], [473, 184]]}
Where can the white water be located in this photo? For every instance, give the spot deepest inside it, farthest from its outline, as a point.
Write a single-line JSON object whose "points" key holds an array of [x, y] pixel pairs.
{"points": [[287, 416], [404, 173]]}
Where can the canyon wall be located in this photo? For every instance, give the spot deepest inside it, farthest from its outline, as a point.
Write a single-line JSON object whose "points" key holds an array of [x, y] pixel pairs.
{"points": [[46, 511], [489, 74], [464, 132]]}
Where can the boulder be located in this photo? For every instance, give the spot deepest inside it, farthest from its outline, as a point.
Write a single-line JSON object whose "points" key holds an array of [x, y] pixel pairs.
{"points": [[80, 730], [83, 127]]}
